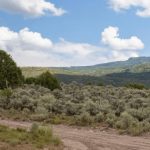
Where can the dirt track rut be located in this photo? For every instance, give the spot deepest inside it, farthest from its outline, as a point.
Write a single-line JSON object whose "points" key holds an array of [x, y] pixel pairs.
{"points": [[88, 139]]}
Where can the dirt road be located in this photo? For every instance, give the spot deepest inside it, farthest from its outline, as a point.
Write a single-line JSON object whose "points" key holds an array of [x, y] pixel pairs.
{"points": [[87, 139]]}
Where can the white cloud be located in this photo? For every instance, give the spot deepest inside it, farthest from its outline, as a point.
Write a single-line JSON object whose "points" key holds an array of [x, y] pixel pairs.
{"points": [[117, 55], [31, 8], [71, 48], [110, 37], [32, 49], [143, 6], [24, 39]]}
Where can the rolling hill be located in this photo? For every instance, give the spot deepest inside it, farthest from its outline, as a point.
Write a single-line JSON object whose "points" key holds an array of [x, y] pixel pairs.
{"points": [[115, 73]]}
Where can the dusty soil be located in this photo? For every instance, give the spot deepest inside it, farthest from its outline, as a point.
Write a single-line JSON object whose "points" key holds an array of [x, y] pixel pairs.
{"points": [[5, 146], [89, 139]]}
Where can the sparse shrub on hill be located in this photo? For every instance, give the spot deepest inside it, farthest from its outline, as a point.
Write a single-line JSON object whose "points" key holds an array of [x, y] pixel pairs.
{"points": [[10, 74]]}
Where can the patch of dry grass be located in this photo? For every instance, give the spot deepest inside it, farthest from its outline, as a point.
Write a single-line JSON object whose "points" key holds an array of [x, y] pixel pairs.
{"points": [[36, 138]]}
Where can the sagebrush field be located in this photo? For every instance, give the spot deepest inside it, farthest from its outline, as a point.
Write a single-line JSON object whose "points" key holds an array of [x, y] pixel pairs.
{"points": [[125, 109]]}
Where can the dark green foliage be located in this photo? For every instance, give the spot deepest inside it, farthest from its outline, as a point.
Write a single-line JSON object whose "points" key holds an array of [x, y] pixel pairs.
{"points": [[115, 79], [46, 80], [10, 74], [30, 80], [135, 86], [6, 93]]}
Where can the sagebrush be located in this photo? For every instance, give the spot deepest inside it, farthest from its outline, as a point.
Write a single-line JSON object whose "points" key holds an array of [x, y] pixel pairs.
{"points": [[123, 108]]}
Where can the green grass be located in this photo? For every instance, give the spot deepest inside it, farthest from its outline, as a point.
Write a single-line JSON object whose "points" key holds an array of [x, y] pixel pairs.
{"points": [[38, 137]]}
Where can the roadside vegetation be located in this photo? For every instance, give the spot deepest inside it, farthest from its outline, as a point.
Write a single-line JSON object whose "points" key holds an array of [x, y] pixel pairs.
{"points": [[36, 138]]}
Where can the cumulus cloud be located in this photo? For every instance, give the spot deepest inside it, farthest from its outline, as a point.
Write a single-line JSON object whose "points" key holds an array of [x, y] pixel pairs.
{"points": [[143, 6], [30, 48], [31, 8], [110, 37], [24, 39]]}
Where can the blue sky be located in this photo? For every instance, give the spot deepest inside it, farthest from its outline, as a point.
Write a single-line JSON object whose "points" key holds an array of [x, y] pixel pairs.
{"points": [[74, 33]]}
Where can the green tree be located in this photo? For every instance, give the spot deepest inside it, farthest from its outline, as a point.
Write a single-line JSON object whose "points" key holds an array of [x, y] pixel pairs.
{"points": [[10, 74], [47, 80]]}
